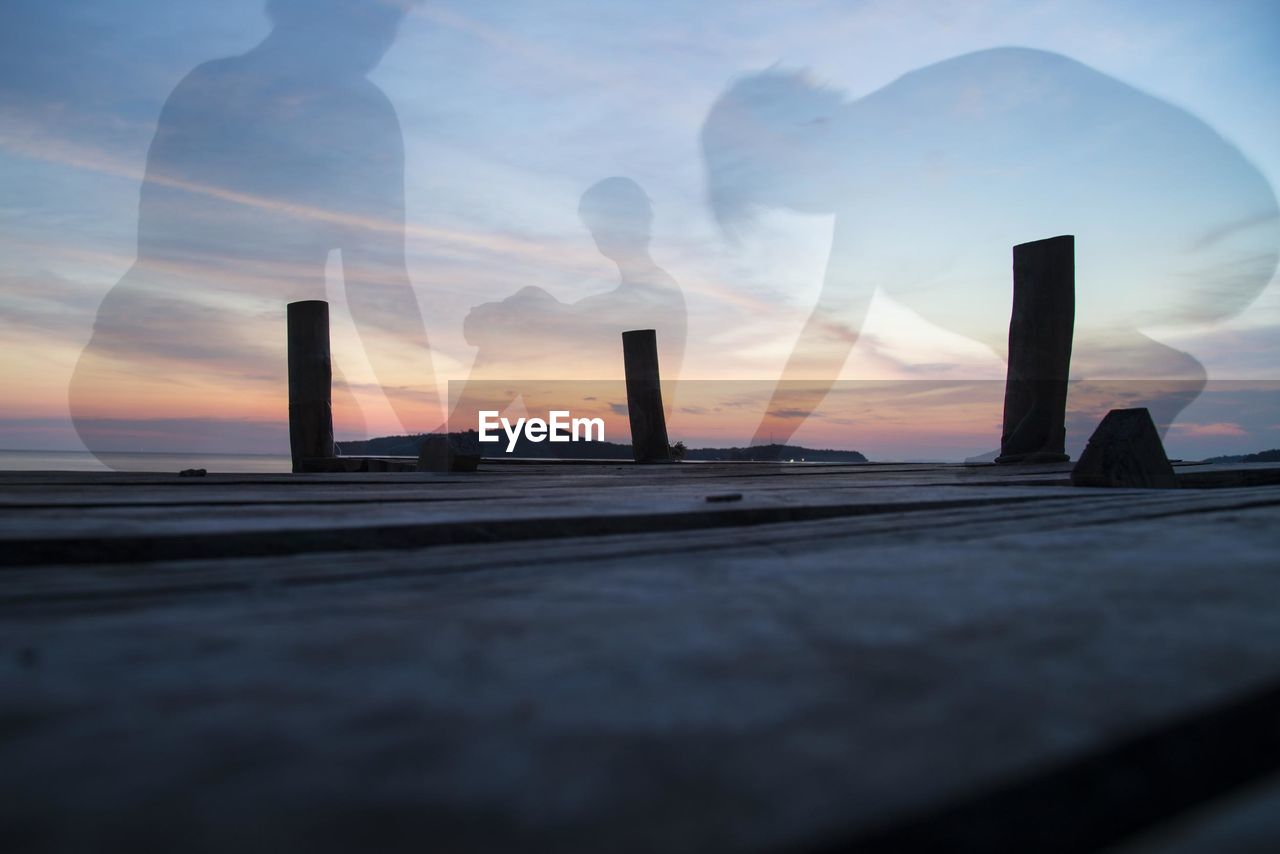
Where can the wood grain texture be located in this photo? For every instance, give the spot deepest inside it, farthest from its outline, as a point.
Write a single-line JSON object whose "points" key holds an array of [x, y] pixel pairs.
{"points": [[593, 657]]}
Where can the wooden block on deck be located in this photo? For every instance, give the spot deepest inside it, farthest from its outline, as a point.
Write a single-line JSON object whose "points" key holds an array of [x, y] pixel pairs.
{"points": [[354, 465], [452, 452], [1125, 451]]}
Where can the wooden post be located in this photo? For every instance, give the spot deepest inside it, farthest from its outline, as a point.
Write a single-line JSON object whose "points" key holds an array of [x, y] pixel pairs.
{"points": [[310, 384], [449, 452], [1040, 332], [644, 397]]}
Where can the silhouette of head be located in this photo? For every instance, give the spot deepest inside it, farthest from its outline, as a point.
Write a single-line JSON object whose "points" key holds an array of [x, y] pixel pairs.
{"points": [[343, 36], [619, 215], [762, 144]]}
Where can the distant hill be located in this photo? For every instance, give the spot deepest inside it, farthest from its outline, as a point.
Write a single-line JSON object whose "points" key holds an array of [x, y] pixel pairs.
{"points": [[773, 453], [384, 446], [407, 446], [1272, 456]]}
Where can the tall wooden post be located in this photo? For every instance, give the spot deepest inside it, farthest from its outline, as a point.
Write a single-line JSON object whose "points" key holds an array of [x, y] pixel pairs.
{"points": [[649, 441], [310, 384], [1040, 332]]}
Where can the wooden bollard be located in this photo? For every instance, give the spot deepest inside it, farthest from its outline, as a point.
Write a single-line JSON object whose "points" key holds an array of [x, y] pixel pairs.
{"points": [[1125, 450], [1040, 332], [644, 397], [449, 452], [310, 385]]}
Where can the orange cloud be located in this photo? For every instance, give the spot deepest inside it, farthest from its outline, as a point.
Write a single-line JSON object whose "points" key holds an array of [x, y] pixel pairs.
{"points": [[1219, 428]]}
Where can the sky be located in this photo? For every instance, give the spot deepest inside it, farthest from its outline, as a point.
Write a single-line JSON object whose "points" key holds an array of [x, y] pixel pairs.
{"points": [[508, 111]]}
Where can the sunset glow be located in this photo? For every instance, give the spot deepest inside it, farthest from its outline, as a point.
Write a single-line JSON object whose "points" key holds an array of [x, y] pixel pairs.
{"points": [[502, 115]]}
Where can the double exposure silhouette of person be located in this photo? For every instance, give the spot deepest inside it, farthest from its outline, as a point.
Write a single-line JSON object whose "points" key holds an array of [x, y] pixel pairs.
{"points": [[261, 165], [533, 336], [934, 177]]}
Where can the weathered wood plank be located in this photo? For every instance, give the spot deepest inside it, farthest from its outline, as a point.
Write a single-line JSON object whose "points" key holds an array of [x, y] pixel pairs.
{"points": [[763, 694], [18, 489], [90, 584], [127, 534], [158, 532]]}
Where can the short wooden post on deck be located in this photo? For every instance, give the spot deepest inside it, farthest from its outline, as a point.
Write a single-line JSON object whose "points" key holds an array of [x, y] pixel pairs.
{"points": [[310, 384], [1040, 332], [1125, 451], [644, 397]]}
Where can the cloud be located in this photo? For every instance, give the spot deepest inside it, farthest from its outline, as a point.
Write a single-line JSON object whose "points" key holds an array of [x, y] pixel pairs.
{"points": [[126, 435], [1218, 429], [793, 413], [46, 305]]}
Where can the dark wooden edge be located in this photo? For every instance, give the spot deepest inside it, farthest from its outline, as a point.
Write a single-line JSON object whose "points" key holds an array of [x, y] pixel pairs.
{"points": [[411, 535], [1105, 796]]}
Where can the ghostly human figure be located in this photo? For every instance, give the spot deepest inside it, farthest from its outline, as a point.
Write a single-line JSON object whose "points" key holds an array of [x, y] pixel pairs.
{"points": [[261, 165], [533, 336], [934, 177]]}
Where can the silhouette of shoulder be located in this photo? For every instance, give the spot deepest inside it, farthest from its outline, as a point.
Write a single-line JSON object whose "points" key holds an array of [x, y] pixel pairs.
{"points": [[1003, 59], [493, 322], [363, 98], [223, 82], [1018, 73], [207, 79], [1028, 91], [192, 92]]}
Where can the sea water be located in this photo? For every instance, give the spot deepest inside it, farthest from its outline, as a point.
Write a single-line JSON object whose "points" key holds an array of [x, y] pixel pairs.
{"points": [[143, 462]]}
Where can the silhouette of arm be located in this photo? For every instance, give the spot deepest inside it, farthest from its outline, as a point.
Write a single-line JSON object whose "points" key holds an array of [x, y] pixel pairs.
{"points": [[500, 333], [380, 296], [820, 352]]}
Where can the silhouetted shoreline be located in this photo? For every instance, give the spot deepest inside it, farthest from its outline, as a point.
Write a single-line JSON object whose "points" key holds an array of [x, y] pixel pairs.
{"points": [[394, 446], [1271, 456]]}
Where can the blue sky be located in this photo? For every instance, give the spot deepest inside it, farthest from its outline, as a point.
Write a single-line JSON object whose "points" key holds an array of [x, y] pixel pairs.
{"points": [[509, 110]]}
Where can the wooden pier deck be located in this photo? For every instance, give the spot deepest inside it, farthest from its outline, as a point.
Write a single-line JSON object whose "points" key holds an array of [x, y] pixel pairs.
{"points": [[610, 657]]}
